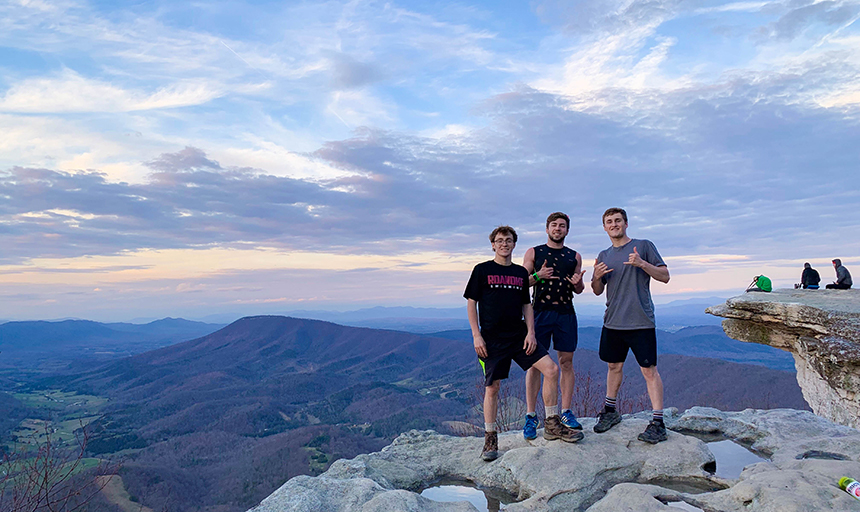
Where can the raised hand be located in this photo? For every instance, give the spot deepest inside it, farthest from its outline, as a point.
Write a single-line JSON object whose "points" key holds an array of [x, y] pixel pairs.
{"points": [[600, 269], [634, 259], [576, 278], [546, 272]]}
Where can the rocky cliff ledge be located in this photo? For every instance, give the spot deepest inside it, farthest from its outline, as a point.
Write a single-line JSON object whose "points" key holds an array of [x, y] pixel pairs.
{"points": [[608, 472], [821, 329]]}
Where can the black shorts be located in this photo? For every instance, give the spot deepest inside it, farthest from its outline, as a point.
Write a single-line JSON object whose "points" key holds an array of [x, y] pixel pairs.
{"points": [[560, 327], [500, 353], [614, 344]]}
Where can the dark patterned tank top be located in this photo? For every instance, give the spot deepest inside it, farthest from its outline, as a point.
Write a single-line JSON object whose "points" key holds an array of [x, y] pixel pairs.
{"points": [[555, 294]]}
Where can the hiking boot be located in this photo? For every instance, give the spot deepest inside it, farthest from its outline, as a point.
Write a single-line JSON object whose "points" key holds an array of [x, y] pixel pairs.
{"points": [[607, 420], [491, 446], [554, 429], [569, 420], [654, 432], [530, 428]]}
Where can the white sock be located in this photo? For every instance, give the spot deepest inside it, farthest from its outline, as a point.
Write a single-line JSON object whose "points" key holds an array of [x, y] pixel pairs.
{"points": [[551, 410], [490, 427]]}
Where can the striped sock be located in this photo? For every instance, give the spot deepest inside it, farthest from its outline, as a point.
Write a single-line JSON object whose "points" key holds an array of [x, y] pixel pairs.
{"points": [[609, 404], [490, 427], [658, 416]]}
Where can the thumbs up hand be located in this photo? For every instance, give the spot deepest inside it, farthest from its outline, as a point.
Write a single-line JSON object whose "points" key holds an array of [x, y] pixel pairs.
{"points": [[634, 259]]}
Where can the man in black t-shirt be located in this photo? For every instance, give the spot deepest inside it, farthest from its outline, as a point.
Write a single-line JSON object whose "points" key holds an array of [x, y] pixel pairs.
{"points": [[556, 275], [498, 301]]}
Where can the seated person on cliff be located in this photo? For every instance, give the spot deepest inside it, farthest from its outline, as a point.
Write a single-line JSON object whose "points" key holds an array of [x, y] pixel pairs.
{"points": [[843, 277], [809, 279], [503, 331]]}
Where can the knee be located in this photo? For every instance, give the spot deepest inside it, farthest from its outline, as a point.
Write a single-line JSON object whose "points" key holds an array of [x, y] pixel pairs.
{"points": [[615, 367], [493, 389], [551, 371], [650, 373], [565, 363]]}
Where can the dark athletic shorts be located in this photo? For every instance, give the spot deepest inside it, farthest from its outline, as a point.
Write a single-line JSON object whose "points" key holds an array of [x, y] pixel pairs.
{"points": [[614, 344], [500, 353], [561, 327]]}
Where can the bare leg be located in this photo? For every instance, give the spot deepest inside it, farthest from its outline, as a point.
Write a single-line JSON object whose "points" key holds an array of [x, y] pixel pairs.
{"points": [[491, 401], [567, 378], [532, 388], [655, 387], [614, 376], [547, 367]]}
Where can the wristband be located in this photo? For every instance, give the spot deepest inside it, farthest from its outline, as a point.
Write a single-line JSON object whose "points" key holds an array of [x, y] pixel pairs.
{"points": [[537, 279]]}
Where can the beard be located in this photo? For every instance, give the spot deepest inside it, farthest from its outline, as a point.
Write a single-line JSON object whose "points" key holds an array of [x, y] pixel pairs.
{"points": [[559, 240]]}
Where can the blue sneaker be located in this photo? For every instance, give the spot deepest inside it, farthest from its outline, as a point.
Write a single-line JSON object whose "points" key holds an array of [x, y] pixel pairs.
{"points": [[569, 420], [530, 428]]}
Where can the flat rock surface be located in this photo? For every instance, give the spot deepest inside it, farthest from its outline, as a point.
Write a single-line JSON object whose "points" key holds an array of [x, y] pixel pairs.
{"points": [[604, 472]]}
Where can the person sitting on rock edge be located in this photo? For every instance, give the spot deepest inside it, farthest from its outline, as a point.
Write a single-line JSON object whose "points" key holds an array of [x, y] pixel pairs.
{"points": [[503, 331], [625, 270], [556, 276], [809, 279], [843, 277]]}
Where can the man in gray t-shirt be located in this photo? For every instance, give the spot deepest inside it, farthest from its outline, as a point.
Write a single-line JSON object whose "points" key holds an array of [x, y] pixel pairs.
{"points": [[625, 270]]}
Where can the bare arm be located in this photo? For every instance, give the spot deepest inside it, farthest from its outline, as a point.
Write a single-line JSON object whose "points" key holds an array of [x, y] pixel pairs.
{"points": [[660, 273], [477, 339], [576, 279], [529, 264], [531, 342], [600, 270]]}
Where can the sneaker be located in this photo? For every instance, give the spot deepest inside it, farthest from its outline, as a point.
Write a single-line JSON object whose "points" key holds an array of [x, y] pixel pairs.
{"points": [[491, 446], [530, 428], [569, 420], [654, 432], [607, 420], [554, 429]]}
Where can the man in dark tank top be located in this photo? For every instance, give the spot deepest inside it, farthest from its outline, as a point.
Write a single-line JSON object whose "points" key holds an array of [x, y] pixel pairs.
{"points": [[555, 275]]}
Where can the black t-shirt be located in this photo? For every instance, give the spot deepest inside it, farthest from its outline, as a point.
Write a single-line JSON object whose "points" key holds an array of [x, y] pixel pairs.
{"points": [[500, 292], [555, 294]]}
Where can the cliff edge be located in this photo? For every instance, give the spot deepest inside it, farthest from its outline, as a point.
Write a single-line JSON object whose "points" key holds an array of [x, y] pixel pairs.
{"points": [[820, 328]]}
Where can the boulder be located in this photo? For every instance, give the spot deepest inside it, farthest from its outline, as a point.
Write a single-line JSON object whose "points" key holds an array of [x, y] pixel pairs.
{"points": [[604, 472], [821, 329]]}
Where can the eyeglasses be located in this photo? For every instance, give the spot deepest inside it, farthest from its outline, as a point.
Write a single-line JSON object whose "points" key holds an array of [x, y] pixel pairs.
{"points": [[506, 241]]}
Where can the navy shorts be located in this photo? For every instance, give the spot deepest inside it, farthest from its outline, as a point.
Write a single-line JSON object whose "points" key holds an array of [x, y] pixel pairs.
{"points": [[561, 327], [500, 353], [614, 344]]}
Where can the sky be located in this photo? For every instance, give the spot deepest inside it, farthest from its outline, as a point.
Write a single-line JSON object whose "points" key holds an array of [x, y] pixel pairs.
{"points": [[197, 158]]}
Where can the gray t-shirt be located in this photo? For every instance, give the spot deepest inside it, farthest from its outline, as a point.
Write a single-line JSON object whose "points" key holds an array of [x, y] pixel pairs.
{"points": [[628, 293]]}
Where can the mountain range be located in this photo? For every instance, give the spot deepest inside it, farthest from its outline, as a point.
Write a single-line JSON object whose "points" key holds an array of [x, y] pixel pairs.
{"points": [[218, 422]]}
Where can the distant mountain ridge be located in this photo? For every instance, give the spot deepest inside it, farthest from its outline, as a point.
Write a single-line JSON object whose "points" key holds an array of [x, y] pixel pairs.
{"points": [[35, 344]]}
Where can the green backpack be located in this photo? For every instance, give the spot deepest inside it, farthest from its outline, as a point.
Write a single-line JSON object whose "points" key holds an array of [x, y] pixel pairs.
{"points": [[760, 284]]}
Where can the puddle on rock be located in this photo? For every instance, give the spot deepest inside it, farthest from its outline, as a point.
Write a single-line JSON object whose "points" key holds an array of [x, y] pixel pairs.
{"points": [[682, 505], [688, 485], [489, 500], [732, 458]]}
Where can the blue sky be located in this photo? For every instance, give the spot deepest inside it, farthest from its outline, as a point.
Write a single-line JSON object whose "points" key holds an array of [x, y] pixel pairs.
{"points": [[186, 159]]}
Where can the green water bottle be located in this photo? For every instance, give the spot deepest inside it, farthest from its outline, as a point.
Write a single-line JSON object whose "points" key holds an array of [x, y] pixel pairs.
{"points": [[850, 486]]}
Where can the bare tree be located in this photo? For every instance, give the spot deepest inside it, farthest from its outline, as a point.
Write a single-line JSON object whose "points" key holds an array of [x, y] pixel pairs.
{"points": [[45, 476]]}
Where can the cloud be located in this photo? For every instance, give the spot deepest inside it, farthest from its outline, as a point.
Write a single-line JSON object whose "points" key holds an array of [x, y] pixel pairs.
{"points": [[70, 92], [723, 166], [800, 17]]}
